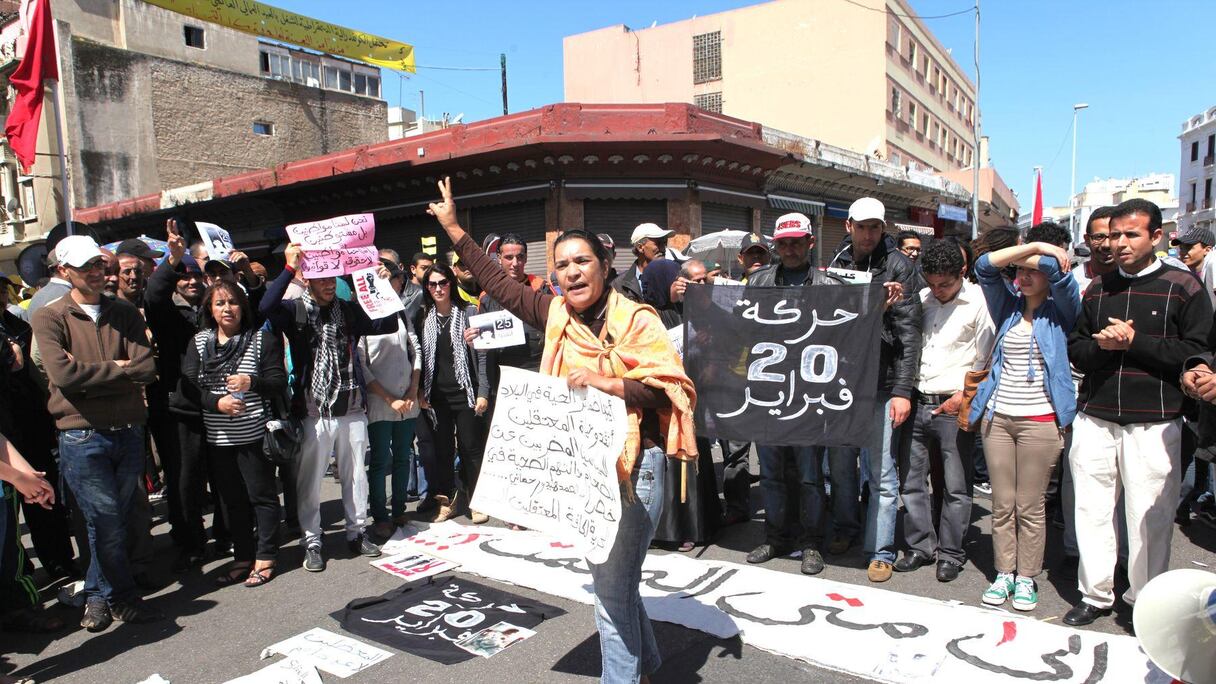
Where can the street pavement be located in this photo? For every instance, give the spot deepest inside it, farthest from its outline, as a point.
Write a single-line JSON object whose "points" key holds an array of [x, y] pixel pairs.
{"points": [[215, 634]]}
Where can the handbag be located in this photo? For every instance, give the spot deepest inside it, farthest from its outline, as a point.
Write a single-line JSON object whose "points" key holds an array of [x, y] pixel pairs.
{"points": [[284, 433], [971, 384]]}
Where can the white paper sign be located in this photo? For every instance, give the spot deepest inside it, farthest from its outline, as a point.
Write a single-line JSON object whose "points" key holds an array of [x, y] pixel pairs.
{"points": [[288, 671], [851, 277], [550, 461], [676, 335], [338, 655], [413, 565], [217, 240], [498, 329], [375, 294]]}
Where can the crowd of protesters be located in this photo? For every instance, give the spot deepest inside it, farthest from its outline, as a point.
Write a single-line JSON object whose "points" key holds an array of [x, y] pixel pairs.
{"points": [[1073, 393]]}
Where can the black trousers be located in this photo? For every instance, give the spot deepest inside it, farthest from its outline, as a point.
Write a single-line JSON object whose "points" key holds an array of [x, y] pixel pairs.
{"points": [[249, 495], [456, 428], [192, 484], [162, 430]]}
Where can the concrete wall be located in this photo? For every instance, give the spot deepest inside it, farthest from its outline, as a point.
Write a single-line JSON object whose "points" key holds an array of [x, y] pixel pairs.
{"points": [[812, 68], [143, 124]]}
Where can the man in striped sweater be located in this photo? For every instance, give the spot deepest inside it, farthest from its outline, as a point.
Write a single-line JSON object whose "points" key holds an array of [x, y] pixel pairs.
{"points": [[1138, 325]]}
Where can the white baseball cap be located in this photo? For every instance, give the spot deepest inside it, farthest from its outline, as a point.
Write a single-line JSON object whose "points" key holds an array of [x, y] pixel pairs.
{"points": [[649, 231], [793, 225], [76, 250], [867, 208]]}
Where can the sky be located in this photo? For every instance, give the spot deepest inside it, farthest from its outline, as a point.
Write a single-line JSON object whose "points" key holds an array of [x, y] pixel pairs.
{"points": [[1140, 66]]}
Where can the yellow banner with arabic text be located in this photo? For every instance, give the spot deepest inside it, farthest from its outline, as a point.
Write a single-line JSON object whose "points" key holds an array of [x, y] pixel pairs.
{"points": [[264, 20]]}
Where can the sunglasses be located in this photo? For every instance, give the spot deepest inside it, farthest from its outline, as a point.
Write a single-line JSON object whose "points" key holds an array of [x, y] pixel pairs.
{"points": [[436, 284], [95, 265]]}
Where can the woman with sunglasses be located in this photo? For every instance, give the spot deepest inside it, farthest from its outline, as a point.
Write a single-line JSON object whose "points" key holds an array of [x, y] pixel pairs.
{"points": [[455, 392], [595, 337]]}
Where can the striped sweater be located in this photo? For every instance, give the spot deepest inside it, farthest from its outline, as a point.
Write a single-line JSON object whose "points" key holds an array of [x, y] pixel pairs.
{"points": [[1171, 317]]}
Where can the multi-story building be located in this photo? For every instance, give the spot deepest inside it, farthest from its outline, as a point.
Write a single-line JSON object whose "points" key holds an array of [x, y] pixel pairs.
{"points": [[877, 83], [1157, 188], [1198, 140], [154, 100]]}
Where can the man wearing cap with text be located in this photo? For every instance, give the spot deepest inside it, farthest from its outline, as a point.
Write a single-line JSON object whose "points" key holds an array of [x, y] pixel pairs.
{"points": [[869, 250], [649, 243]]}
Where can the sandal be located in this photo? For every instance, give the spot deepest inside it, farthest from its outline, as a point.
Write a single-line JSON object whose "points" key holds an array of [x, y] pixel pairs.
{"points": [[31, 620], [686, 547], [257, 577], [235, 575]]}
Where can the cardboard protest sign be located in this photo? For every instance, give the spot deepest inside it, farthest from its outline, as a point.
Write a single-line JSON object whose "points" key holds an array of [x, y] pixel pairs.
{"points": [[336, 654], [331, 263], [375, 294], [216, 240], [784, 365], [339, 232], [498, 329], [550, 461]]}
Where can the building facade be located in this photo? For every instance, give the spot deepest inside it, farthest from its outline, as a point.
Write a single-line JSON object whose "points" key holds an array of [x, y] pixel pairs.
{"points": [[154, 100], [875, 83], [1157, 188], [1198, 143]]}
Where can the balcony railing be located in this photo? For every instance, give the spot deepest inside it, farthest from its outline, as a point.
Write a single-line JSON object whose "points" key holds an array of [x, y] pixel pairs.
{"points": [[1209, 160]]}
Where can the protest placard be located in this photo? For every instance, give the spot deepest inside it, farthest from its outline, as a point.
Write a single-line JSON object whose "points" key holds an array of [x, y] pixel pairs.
{"points": [[339, 232], [338, 655], [331, 263], [375, 294], [216, 240], [498, 329], [550, 461], [413, 565]]}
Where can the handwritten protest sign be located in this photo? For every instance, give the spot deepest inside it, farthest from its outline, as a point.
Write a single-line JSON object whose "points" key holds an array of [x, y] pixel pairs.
{"points": [[550, 461], [339, 232], [288, 671], [784, 365], [498, 329], [413, 565], [331, 263], [338, 655], [375, 294], [216, 240]]}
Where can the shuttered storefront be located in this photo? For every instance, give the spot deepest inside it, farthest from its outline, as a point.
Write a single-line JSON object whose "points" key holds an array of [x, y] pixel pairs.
{"points": [[715, 217], [526, 219], [618, 218], [404, 234]]}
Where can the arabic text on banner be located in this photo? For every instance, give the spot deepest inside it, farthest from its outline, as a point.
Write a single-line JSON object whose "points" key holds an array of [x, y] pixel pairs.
{"points": [[790, 366], [331, 263], [339, 232], [550, 461]]}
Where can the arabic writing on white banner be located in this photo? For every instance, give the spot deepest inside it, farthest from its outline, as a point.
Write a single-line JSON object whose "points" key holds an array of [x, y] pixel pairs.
{"points": [[868, 632], [550, 461], [339, 232], [338, 655]]}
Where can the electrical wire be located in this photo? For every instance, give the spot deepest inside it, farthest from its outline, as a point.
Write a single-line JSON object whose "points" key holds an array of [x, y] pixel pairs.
{"points": [[449, 68], [910, 16]]}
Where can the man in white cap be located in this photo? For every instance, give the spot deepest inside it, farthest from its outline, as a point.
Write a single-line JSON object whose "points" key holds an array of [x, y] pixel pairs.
{"points": [[98, 360], [649, 242], [873, 255]]}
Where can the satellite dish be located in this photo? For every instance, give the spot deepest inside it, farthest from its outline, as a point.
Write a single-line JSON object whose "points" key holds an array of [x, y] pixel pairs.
{"points": [[60, 231], [31, 263], [1175, 621]]}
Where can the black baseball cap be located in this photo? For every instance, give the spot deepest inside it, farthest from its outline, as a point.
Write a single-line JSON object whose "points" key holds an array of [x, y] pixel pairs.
{"points": [[751, 241], [138, 248]]}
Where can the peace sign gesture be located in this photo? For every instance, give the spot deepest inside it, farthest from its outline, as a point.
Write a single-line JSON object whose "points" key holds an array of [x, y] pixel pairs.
{"points": [[445, 211]]}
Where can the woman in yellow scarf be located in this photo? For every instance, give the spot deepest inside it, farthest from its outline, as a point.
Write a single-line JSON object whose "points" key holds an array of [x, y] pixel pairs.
{"points": [[596, 338]]}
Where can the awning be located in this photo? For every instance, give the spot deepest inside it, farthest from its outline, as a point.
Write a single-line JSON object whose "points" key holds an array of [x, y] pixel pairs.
{"points": [[635, 190], [739, 198], [923, 230], [788, 203]]}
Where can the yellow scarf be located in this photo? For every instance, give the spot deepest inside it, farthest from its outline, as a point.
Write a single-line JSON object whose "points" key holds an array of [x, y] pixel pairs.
{"points": [[639, 350]]}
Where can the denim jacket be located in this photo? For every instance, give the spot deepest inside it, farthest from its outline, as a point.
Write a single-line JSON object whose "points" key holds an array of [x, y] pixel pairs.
{"points": [[1052, 323]]}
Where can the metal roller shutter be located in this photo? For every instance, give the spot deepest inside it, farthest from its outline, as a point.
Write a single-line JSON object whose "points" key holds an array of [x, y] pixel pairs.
{"points": [[715, 217], [830, 234], [618, 218], [526, 219], [404, 234]]}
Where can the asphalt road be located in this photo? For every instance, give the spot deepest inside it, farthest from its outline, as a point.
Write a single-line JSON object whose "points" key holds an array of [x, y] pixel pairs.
{"points": [[215, 634]]}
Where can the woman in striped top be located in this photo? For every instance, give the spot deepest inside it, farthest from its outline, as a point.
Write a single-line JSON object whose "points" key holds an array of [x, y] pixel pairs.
{"points": [[1026, 404], [238, 369]]}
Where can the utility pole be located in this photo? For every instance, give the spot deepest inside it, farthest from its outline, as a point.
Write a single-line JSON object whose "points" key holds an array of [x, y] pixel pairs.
{"points": [[975, 177], [1072, 190], [502, 61], [421, 105]]}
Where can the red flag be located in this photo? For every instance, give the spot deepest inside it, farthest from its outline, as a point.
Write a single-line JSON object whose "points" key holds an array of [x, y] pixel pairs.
{"points": [[1037, 216], [37, 64]]}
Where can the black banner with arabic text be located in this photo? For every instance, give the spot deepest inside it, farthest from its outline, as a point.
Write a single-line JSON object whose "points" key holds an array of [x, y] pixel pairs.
{"points": [[789, 366]]}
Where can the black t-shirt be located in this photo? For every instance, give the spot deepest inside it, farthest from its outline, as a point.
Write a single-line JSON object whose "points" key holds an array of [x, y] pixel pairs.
{"points": [[446, 387], [793, 277]]}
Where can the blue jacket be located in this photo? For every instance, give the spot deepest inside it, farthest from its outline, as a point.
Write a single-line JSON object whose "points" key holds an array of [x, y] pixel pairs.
{"points": [[1052, 323]]}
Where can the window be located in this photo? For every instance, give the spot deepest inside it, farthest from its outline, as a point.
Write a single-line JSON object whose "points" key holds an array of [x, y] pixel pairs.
{"points": [[331, 77], [926, 124], [912, 114], [912, 53], [895, 104], [194, 37], [263, 128], [1211, 144], [360, 84], [344, 80], [1195, 151], [1207, 190], [373, 86], [707, 57], [710, 102], [1192, 195], [925, 70]]}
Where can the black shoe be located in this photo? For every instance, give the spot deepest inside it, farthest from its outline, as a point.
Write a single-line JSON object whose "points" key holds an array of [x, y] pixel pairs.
{"points": [[313, 560], [1084, 614], [764, 553], [428, 504], [66, 569], [222, 549], [812, 562], [947, 571], [96, 616], [912, 560], [187, 560], [146, 581], [362, 546], [134, 611]]}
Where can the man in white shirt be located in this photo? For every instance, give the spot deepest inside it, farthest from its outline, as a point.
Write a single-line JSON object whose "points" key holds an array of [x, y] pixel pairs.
{"points": [[957, 337]]}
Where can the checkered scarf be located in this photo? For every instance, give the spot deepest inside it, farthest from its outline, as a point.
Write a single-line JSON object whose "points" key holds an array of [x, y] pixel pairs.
{"points": [[331, 368], [430, 337]]}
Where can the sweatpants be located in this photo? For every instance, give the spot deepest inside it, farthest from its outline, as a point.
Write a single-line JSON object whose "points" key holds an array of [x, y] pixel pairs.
{"points": [[346, 438]]}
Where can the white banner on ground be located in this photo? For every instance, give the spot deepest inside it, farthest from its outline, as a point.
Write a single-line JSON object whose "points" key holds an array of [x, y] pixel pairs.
{"points": [[861, 630], [375, 294], [286, 671], [338, 655], [498, 329], [550, 461]]}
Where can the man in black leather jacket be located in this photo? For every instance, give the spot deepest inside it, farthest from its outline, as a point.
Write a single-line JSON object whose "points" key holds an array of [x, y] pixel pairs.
{"points": [[868, 253]]}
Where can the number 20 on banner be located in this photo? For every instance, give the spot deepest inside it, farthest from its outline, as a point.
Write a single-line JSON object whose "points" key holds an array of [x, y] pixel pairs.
{"points": [[819, 363]]}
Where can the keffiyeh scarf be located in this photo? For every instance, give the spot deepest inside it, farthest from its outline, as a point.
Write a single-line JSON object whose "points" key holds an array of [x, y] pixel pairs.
{"points": [[430, 338], [331, 371]]}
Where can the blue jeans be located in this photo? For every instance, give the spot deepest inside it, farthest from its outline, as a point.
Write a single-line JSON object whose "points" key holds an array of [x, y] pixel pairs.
{"points": [[884, 488], [103, 468], [392, 453], [627, 645], [776, 493]]}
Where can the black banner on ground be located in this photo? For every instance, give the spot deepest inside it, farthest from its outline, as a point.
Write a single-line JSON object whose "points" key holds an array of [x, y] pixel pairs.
{"points": [[790, 366]]}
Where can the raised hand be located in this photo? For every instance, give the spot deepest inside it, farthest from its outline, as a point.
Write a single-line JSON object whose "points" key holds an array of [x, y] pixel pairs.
{"points": [[293, 254], [445, 211]]}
